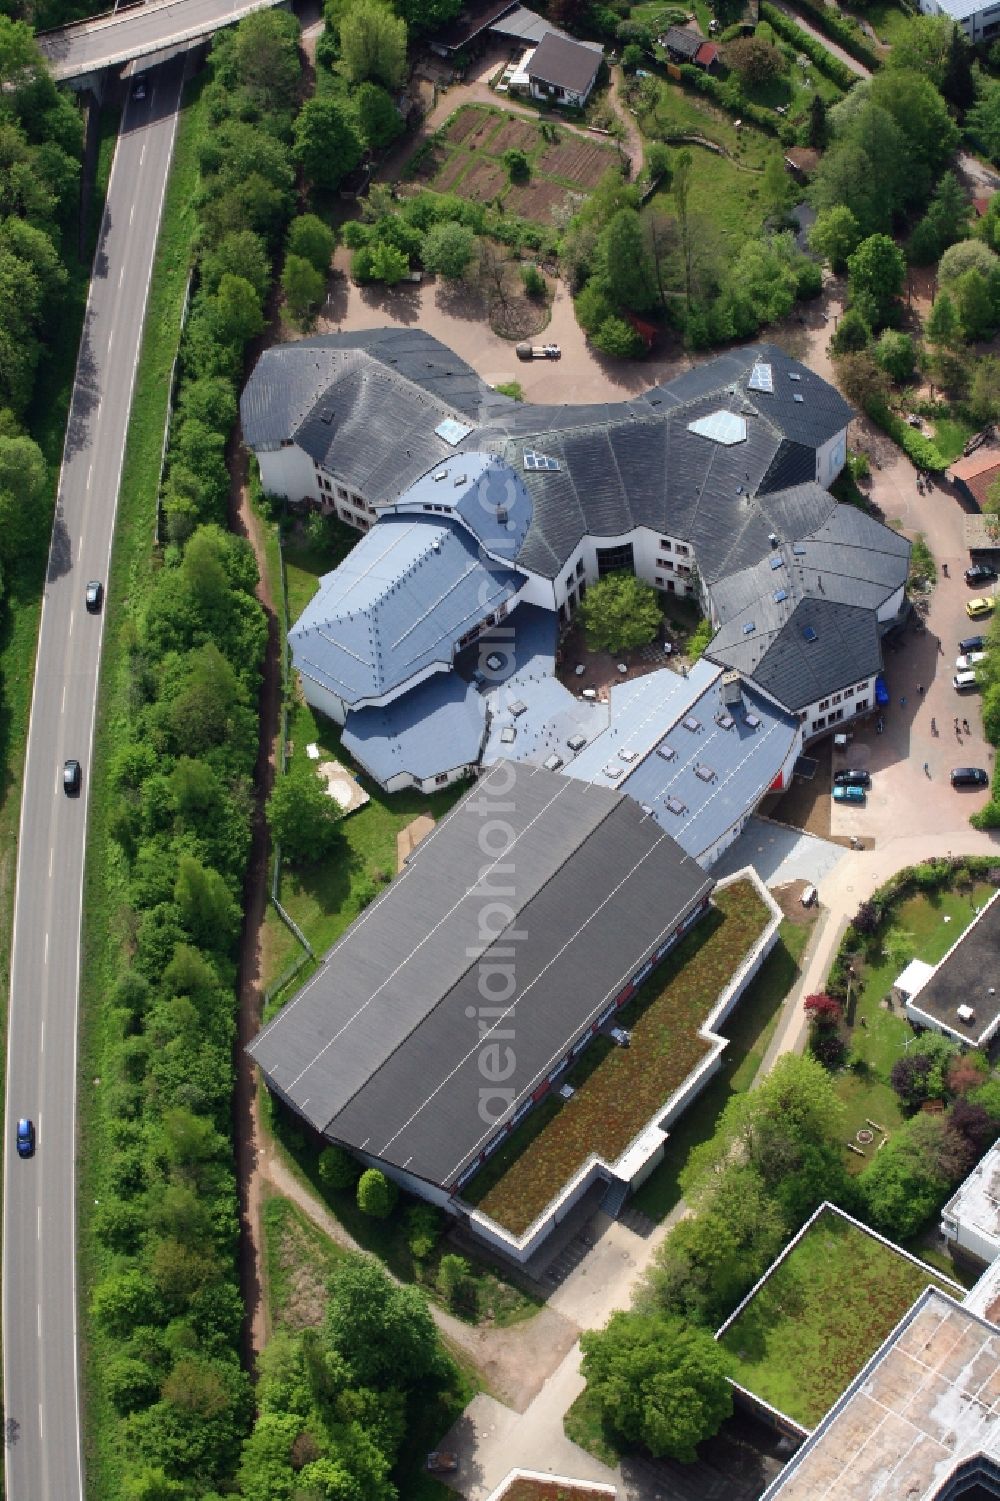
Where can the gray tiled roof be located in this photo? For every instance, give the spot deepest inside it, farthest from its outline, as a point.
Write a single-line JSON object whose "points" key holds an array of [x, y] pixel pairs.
{"points": [[435, 728], [396, 606], [564, 62], [381, 1050]]}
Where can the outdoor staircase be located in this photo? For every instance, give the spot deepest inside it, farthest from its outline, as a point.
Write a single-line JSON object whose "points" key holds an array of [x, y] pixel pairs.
{"points": [[617, 1193]]}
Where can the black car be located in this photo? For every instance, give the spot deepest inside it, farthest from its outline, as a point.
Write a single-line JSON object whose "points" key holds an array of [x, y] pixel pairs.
{"points": [[969, 776], [853, 778], [972, 643], [139, 87], [980, 573], [71, 778], [94, 595]]}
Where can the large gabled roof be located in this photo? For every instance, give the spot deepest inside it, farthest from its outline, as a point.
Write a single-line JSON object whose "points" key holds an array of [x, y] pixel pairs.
{"points": [[565, 63], [567, 889], [396, 605]]}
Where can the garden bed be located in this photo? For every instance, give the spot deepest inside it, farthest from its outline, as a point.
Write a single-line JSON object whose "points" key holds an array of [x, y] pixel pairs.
{"points": [[619, 1090], [820, 1314]]}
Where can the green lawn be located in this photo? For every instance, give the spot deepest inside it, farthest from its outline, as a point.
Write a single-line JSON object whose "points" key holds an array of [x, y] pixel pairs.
{"points": [[749, 1030], [820, 1316], [888, 21], [950, 436], [618, 1090], [298, 1260], [879, 1042]]}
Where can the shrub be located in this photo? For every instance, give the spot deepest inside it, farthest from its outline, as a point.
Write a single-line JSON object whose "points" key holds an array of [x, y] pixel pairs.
{"points": [[337, 1168], [534, 281], [423, 1230], [699, 639], [377, 1194], [453, 1281], [517, 164], [838, 72], [617, 338]]}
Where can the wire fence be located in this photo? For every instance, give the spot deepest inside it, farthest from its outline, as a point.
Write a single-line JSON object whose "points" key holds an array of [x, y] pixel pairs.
{"points": [[168, 419]]}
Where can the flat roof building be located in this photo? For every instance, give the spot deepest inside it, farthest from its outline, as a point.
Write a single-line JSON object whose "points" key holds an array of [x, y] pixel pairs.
{"points": [[960, 998], [970, 1221]]}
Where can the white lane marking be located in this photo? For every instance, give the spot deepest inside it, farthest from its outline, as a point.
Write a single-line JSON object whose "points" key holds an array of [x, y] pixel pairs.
{"points": [[39, 1222], [131, 213], [46, 960], [39, 1321], [52, 855], [142, 153], [41, 1422], [63, 709], [41, 1047], [90, 475], [72, 616], [121, 276], [111, 340]]}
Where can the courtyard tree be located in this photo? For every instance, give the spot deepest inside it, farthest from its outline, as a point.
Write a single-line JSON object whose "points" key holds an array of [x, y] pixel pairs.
{"points": [[620, 613], [327, 145], [942, 326], [378, 117], [313, 240], [896, 354], [628, 273], [448, 249], [835, 235], [302, 817], [616, 337], [877, 270], [658, 1382], [304, 287]]}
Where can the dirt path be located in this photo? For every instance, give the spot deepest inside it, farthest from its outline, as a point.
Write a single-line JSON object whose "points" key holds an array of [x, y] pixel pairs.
{"points": [[244, 521], [633, 135], [514, 1363], [857, 68]]}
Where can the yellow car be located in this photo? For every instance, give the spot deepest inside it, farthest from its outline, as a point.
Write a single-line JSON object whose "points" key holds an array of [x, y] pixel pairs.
{"points": [[977, 607]]}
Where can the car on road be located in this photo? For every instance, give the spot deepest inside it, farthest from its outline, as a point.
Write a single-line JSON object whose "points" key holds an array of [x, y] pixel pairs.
{"points": [[25, 1137], [441, 1462], [969, 776], [980, 573], [975, 608], [964, 681], [972, 643], [139, 87], [852, 778], [71, 778], [843, 794], [969, 661], [94, 596]]}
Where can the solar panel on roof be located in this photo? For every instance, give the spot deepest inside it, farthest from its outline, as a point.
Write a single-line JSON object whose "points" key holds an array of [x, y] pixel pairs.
{"points": [[761, 378], [780, 595], [721, 427], [809, 633], [452, 431]]}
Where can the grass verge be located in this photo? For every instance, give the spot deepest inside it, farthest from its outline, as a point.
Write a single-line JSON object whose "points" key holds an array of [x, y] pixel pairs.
{"points": [[132, 560]]}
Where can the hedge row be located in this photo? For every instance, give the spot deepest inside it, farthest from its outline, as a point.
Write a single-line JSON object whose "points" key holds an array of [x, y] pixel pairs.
{"points": [[728, 99], [838, 72], [920, 450], [841, 30]]}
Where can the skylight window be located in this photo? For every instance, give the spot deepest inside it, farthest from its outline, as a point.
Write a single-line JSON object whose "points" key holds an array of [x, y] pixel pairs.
{"points": [[761, 378], [675, 805], [705, 773], [667, 752], [724, 428], [724, 721], [798, 398], [809, 634], [452, 431], [752, 721], [777, 561], [780, 595], [535, 462], [799, 550], [690, 723], [749, 628], [794, 375]]}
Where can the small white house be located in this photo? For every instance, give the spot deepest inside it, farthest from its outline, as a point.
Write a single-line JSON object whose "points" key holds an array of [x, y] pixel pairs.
{"points": [[970, 1221], [564, 71], [913, 979]]}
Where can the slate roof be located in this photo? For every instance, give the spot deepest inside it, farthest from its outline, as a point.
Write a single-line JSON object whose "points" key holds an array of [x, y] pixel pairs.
{"points": [[489, 497], [544, 716], [565, 63], [680, 40], [395, 607], [382, 1049], [665, 728], [435, 728], [830, 570]]}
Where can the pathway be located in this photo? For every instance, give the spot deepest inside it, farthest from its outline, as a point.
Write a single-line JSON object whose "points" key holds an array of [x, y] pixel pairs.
{"points": [[857, 68], [633, 135]]}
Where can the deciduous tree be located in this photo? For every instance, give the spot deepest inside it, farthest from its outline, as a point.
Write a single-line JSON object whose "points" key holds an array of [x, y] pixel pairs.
{"points": [[373, 44], [619, 613], [302, 817]]}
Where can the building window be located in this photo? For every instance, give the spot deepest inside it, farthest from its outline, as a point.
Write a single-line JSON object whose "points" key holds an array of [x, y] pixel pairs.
{"points": [[579, 569], [683, 549], [615, 560], [569, 581], [287, 443], [835, 715], [341, 493], [848, 692], [665, 546], [661, 582], [861, 706], [837, 697], [824, 703], [440, 779], [818, 724]]}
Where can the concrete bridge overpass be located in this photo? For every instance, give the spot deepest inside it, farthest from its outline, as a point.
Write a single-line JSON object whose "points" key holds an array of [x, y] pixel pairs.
{"points": [[88, 47]]}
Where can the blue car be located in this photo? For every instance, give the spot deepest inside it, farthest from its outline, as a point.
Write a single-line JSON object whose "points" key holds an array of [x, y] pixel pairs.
{"points": [[25, 1138], [843, 794]]}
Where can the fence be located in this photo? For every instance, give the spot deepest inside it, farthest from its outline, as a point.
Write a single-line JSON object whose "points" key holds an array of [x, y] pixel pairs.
{"points": [[171, 393]]}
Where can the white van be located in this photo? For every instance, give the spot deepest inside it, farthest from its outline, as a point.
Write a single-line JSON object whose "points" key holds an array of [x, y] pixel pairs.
{"points": [[963, 681]]}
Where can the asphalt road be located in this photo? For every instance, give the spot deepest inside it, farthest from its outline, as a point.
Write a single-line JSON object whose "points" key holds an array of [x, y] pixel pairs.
{"points": [[139, 31], [40, 1365]]}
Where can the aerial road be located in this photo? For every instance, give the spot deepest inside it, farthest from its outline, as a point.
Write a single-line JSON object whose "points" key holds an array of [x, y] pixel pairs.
{"points": [[43, 1449], [137, 31]]}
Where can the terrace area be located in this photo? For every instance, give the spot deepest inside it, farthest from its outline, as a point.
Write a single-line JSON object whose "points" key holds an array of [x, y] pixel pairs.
{"points": [[820, 1313], [618, 1091]]}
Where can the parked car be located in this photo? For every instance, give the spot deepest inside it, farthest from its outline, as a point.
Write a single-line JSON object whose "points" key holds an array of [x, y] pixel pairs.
{"points": [[980, 573], [94, 595], [849, 794], [972, 643], [969, 661], [25, 1138], [964, 681], [71, 778], [976, 608], [440, 1462], [969, 776], [852, 778]]}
